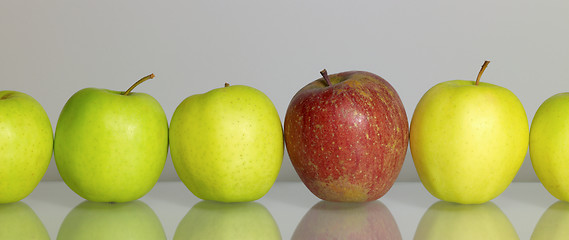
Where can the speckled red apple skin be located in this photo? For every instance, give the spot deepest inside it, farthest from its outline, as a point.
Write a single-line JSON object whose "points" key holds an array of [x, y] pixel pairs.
{"points": [[347, 142]]}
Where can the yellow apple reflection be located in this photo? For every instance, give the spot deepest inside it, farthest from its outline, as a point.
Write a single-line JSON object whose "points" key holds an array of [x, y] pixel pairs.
{"points": [[109, 221], [215, 220], [19, 221], [445, 220], [554, 223], [335, 220]]}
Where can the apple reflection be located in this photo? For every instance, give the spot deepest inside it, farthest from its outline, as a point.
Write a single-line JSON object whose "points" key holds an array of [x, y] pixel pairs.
{"points": [[19, 221], [445, 220], [337, 220], [109, 221], [215, 220], [554, 223]]}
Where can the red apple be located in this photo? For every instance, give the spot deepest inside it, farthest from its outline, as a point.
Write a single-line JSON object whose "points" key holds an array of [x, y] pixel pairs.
{"points": [[347, 136]]}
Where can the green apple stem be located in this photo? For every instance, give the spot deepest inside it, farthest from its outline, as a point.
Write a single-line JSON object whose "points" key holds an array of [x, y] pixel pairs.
{"points": [[324, 74], [481, 71], [151, 76], [226, 84]]}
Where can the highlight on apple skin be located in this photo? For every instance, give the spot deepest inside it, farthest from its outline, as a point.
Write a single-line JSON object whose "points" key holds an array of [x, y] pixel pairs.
{"points": [[347, 136]]}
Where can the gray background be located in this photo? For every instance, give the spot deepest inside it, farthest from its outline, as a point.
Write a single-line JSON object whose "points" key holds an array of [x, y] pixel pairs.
{"points": [[51, 49]]}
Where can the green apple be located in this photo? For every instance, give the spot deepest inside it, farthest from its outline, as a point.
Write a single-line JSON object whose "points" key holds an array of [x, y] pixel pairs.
{"points": [[444, 220], [214, 220], [227, 144], [549, 138], [554, 223], [26, 145], [109, 221], [468, 140], [111, 146], [19, 221]]}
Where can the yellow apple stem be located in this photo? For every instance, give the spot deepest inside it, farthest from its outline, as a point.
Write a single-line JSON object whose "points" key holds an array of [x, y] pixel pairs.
{"points": [[226, 84], [481, 71], [324, 74], [151, 76]]}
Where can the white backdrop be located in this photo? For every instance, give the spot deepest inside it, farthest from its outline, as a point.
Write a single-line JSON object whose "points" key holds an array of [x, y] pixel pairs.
{"points": [[51, 49]]}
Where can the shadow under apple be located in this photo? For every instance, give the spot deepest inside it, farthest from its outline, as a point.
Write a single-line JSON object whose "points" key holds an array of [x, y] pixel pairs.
{"points": [[337, 220], [215, 220], [554, 223], [109, 221], [19, 221], [445, 220]]}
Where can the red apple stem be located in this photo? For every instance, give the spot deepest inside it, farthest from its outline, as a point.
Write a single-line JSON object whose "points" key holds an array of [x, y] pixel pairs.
{"points": [[481, 71], [127, 92], [324, 74]]}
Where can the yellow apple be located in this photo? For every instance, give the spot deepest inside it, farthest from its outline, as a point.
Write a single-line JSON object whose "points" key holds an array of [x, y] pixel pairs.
{"points": [[227, 144], [468, 140], [549, 138], [444, 220]]}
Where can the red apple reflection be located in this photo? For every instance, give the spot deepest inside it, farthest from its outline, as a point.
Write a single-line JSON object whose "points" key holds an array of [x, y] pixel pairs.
{"points": [[333, 220]]}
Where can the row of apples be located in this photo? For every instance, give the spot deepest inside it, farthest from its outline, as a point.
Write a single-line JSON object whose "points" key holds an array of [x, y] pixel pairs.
{"points": [[346, 134]]}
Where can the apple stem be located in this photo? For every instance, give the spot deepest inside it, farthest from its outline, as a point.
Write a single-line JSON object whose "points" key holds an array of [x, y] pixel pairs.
{"points": [[226, 84], [324, 74], [127, 92], [481, 71]]}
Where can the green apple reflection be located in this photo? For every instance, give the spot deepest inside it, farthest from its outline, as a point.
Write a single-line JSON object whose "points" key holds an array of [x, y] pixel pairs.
{"points": [[554, 223], [215, 220], [445, 220], [93, 220], [19, 221], [336, 220]]}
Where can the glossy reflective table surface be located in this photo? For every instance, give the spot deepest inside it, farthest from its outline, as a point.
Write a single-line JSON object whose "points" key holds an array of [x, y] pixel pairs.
{"points": [[288, 211]]}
